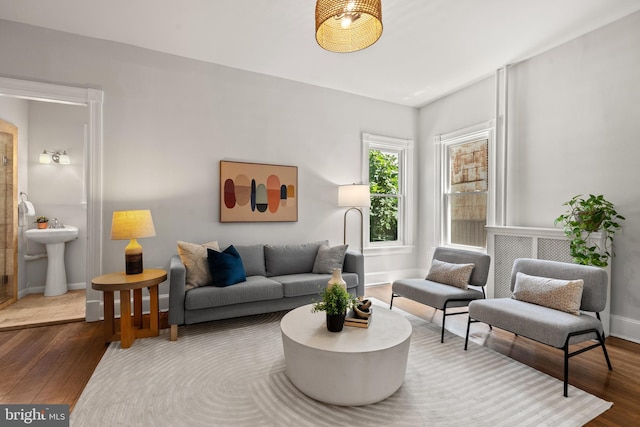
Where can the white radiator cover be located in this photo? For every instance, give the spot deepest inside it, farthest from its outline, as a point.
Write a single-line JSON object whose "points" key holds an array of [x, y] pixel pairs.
{"points": [[506, 244]]}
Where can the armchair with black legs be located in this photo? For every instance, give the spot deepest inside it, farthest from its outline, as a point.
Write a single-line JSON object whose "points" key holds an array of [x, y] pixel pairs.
{"points": [[456, 278]]}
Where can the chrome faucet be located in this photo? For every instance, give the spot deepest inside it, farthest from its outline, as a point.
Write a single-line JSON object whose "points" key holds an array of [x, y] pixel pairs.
{"points": [[56, 223]]}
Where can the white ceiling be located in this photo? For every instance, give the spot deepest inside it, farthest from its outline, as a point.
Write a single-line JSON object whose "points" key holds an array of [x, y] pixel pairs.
{"points": [[428, 47]]}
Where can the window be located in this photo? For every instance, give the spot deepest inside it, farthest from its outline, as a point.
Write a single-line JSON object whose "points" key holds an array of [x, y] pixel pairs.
{"points": [[385, 196], [387, 172], [464, 173]]}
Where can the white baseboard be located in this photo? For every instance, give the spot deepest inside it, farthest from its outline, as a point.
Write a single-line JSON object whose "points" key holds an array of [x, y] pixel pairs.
{"points": [[76, 286], [625, 328], [40, 289]]}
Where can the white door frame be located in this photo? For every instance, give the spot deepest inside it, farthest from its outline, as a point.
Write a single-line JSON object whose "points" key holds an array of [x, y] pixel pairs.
{"points": [[93, 99]]}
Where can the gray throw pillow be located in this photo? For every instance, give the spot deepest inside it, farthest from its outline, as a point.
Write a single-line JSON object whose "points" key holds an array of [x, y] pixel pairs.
{"points": [[457, 275], [564, 295], [329, 259]]}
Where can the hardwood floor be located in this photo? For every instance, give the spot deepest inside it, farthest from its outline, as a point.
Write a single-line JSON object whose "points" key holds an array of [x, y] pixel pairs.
{"points": [[49, 364], [587, 371], [52, 364]]}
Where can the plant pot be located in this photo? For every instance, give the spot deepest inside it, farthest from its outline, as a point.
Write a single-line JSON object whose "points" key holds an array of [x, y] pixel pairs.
{"points": [[335, 322], [590, 220], [43, 224]]}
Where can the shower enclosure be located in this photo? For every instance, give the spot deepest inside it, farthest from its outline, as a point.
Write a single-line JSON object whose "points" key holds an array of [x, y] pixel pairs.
{"points": [[8, 213]]}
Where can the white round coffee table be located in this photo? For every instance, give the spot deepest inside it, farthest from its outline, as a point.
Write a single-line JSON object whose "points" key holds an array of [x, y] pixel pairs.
{"points": [[357, 366]]}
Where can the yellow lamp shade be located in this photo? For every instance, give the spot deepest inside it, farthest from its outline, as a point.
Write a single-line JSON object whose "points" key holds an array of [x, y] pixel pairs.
{"points": [[132, 225]]}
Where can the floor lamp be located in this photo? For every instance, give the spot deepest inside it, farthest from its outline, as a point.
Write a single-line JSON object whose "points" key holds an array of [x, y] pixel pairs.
{"points": [[355, 197]]}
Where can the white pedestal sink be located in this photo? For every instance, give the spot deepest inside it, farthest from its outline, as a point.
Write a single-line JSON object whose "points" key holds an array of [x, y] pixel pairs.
{"points": [[54, 239]]}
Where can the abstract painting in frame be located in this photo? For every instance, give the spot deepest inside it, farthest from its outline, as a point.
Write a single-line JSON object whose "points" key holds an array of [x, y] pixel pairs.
{"points": [[256, 192]]}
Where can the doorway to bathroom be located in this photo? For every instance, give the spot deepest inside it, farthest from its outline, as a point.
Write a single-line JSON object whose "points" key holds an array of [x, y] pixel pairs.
{"points": [[14, 91]]}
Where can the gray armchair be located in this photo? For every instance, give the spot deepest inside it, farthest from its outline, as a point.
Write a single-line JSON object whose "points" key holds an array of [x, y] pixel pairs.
{"points": [[547, 325], [441, 296]]}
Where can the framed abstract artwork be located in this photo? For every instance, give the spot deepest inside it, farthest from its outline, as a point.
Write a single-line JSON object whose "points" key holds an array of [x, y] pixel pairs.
{"points": [[256, 192]]}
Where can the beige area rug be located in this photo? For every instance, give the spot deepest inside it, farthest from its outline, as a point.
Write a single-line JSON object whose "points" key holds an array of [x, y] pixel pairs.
{"points": [[231, 373]]}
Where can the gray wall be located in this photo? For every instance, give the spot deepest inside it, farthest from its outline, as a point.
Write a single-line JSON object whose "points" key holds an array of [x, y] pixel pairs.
{"points": [[57, 191], [574, 123], [168, 121]]}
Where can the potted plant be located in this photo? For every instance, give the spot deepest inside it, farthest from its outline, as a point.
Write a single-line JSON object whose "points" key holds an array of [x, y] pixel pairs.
{"points": [[584, 217], [336, 300], [42, 221]]}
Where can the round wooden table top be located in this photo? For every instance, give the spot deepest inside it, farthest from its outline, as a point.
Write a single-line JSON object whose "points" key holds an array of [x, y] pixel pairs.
{"points": [[121, 281]]}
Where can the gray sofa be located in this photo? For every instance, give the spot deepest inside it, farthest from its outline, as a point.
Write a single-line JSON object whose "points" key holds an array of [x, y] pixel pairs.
{"points": [[548, 325], [278, 277]]}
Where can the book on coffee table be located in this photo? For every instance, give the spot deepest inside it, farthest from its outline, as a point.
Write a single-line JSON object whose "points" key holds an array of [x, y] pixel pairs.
{"points": [[352, 320]]}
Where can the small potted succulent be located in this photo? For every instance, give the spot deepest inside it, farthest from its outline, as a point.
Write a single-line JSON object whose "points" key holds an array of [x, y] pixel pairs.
{"points": [[336, 300], [42, 222]]}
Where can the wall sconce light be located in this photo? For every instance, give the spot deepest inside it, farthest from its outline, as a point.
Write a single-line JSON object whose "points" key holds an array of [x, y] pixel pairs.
{"points": [[47, 156], [355, 197]]}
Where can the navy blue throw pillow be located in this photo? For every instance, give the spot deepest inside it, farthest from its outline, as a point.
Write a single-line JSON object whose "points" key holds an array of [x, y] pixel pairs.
{"points": [[226, 267]]}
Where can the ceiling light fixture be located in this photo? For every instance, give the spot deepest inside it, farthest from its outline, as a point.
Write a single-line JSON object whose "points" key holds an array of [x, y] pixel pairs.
{"points": [[348, 25]]}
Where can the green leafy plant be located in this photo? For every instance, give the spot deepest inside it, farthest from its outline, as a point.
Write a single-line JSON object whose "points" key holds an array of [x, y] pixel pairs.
{"points": [[335, 300], [41, 219], [583, 217]]}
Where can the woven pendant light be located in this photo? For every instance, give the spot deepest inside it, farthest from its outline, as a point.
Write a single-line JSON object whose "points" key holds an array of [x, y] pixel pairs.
{"points": [[348, 25]]}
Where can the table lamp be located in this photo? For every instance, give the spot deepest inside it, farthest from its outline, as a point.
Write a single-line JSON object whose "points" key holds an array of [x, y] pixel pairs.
{"points": [[132, 225], [354, 196]]}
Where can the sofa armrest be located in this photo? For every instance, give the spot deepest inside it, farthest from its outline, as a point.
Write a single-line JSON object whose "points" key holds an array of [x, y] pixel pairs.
{"points": [[177, 289], [354, 263]]}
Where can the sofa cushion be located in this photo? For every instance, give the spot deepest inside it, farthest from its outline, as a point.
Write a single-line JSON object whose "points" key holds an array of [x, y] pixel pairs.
{"points": [[543, 324], [450, 274], [328, 259], [194, 258], [290, 259], [255, 288], [564, 295], [252, 259], [294, 285], [226, 267], [438, 294]]}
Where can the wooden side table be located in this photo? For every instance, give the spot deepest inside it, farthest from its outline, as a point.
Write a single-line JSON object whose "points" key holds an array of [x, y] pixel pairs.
{"points": [[125, 283]]}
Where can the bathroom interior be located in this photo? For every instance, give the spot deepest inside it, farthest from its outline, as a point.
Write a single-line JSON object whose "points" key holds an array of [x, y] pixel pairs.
{"points": [[29, 189]]}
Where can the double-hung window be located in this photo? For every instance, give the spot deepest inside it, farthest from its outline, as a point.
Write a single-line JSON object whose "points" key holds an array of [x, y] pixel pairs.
{"points": [[464, 173], [388, 173]]}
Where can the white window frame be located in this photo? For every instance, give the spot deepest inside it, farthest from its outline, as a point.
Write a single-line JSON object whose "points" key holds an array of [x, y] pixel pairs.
{"points": [[404, 148], [485, 130]]}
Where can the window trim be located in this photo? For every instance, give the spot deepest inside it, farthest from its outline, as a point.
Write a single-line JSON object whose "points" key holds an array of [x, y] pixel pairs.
{"points": [[485, 130], [405, 149]]}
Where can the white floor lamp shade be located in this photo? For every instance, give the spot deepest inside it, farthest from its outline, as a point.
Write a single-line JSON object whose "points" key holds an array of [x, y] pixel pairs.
{"points": [[355, 197]]}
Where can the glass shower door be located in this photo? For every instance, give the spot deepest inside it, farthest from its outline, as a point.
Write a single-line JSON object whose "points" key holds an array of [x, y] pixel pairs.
{"points": [[8, 214]]}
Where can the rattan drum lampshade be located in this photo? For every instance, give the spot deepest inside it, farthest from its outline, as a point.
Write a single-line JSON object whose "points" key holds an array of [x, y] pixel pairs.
{"points": [[348, 25]]}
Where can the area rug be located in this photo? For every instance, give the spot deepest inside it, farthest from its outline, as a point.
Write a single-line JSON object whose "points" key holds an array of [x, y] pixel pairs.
{"points": [[232, 373]]}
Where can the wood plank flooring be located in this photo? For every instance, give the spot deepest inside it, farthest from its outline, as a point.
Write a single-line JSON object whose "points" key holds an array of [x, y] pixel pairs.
{"points": [[52, 364]]}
